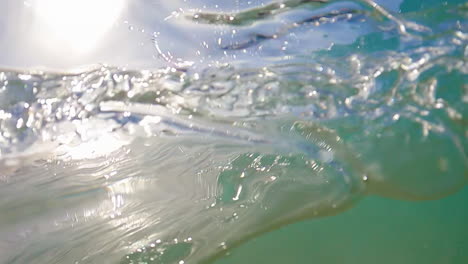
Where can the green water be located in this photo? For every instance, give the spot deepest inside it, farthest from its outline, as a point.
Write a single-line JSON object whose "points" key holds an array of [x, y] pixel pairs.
{"points": [[376, 230], [331, 132]]}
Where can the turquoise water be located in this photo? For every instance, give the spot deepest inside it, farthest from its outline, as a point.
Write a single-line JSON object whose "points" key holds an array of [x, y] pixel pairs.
{"points": [[262, 132], [376, 230]]}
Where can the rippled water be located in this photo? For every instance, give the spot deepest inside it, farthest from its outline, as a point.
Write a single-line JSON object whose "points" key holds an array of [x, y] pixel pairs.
{"points": [[292, 111]]}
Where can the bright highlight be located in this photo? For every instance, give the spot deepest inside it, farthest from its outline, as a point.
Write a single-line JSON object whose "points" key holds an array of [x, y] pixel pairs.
{"points": [[76, 25]]}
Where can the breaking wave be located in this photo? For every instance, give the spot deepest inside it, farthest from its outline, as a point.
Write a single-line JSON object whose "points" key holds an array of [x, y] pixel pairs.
{"points": [[186, 162]]}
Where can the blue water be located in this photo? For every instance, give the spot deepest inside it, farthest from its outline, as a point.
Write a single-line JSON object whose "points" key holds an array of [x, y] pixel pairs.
{"points": [[234, 132]]}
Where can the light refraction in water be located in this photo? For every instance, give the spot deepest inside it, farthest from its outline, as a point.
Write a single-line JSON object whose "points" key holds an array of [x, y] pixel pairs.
{"points": [[179, 165]]}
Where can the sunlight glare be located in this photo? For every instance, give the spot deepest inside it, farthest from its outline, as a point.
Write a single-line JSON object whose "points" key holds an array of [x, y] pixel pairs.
{"points": [[76, 25]]}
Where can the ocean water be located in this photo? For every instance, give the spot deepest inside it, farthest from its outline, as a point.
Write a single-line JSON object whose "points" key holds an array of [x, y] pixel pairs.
{"points": [[234, 132]]}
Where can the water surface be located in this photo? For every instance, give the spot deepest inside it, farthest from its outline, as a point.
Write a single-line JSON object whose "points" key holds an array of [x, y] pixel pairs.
{"points": [[247, 117]]}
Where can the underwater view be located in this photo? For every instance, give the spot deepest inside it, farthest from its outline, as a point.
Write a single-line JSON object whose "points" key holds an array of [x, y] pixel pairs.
{"points": [[233, 131]]}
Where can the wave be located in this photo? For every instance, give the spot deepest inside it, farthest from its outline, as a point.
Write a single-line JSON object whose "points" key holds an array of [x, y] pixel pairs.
{"points": [[187, 162]]}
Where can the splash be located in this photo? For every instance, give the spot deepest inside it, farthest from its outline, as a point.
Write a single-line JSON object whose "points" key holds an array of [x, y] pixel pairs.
{"points": [[181, 164]]}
